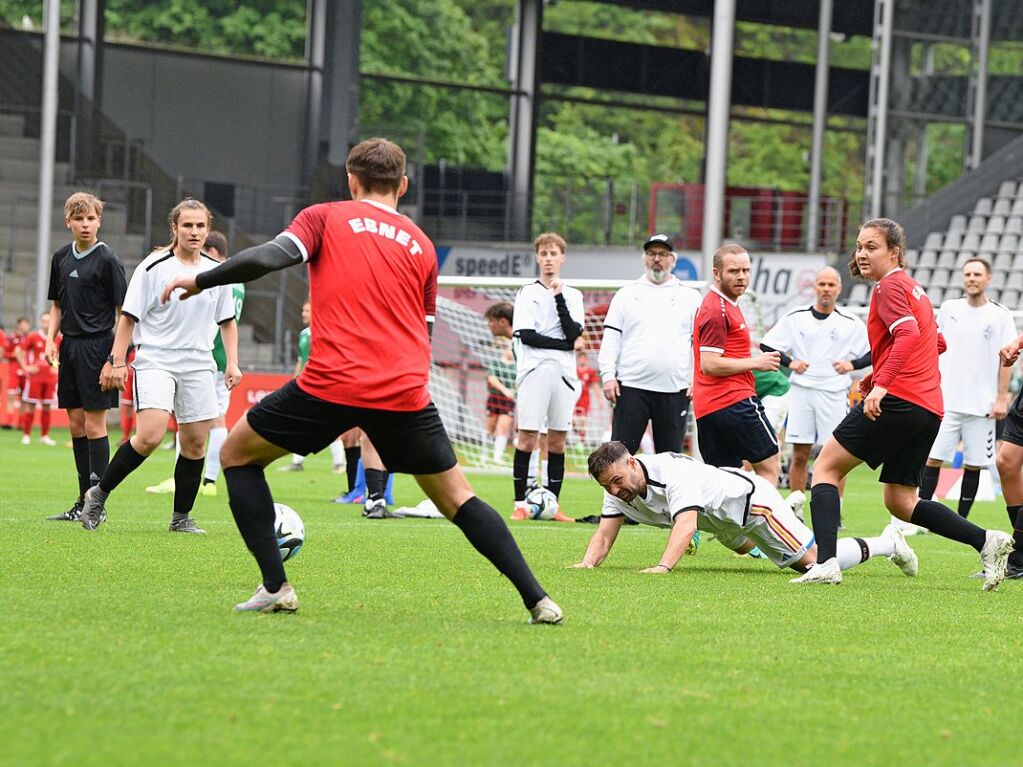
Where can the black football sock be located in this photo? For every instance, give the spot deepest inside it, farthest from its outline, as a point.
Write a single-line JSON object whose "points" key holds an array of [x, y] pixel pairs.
{"points": [[1016, 557], [99, 458], [968, 491], [520, 473], [80, 446], [352, 456], [826, 513], [490, 536], [940, 519], [376, 483], [929, 481], [555, 472], [1013, 512], [208, 481], [125, 461], [187, 478], [253, 508]]}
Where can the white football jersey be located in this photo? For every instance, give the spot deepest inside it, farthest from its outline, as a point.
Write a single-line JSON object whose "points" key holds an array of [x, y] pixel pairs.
{"points": [[969, 367], [177, 335], [676, 482], [820, 343], [535, 310]]}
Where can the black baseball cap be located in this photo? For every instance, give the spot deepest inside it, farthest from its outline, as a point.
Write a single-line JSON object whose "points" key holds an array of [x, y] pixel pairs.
{"points": [[659, 239]]}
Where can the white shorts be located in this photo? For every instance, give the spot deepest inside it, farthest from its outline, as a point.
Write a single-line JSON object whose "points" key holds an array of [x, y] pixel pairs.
{"points": [[976, 432], [190, 396], [546, 394], [223, 393], [771, 525], [814, 414]]}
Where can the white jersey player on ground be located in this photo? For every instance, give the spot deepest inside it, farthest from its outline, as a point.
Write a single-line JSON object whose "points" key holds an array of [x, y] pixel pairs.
{"points": [[548, 318], [741, 509], [821, 345], [974, 383]]}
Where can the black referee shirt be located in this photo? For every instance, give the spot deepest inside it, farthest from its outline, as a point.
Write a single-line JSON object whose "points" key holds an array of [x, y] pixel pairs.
{"points": [[88, 288]]}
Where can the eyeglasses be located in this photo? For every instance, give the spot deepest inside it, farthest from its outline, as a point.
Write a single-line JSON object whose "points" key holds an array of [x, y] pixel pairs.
{"points": [[655, 255]]}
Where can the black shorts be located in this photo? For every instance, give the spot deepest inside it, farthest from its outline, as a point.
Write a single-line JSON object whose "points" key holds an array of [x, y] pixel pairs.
{"points": [[899, 440], [1013, 423], [667, 412], [81, 360], [409, 442], [736, 433]]}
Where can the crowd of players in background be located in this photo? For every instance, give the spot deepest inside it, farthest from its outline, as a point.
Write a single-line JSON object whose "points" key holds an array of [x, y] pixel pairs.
{"points": [[665, 351]]}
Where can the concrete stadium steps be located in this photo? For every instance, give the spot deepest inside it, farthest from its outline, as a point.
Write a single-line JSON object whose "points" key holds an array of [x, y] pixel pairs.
{"points": [[19, 148], [28, 170], [12, 125], [128, 246], [25, 214]]}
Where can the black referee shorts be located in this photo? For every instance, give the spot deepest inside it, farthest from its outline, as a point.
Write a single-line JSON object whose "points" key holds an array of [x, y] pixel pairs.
{"points": [[736, 433], [1012, 431], [81, 360], [899, 440], [667, 412], [409, 442]]}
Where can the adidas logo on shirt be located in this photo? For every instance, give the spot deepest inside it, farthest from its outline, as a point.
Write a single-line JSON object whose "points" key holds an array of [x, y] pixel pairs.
{"points": [[74, 273]]}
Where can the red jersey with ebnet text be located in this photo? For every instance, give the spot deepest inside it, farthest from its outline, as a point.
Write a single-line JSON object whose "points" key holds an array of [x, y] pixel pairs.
{"points": [[372, 287], [720, 327], [899, 300]]}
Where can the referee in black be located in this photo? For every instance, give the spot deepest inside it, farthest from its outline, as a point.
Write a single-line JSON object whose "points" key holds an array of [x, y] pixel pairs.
{"points": [[87, 287]]}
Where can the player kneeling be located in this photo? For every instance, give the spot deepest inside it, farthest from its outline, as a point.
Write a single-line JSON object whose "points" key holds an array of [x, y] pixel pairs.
{"points": [[742, 510]]}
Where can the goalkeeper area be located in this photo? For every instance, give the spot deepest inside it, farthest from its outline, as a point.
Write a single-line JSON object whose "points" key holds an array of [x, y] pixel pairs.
{"points": [[463, 347], [119, 647]]}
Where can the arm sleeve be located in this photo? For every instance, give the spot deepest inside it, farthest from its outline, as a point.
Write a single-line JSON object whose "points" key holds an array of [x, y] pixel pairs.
{"points": [[53, 293], [117, 283], [684, 492], [569, 326], [281, 252], [942, 343], [430, 297], [906, 335], [786, 360], [862, 361], [225, 306], [307, 229], [780, 339], [860, 343], [610, 348], [522, 318], [536, 340], [136, 295], [713, 331], [611, 507]]}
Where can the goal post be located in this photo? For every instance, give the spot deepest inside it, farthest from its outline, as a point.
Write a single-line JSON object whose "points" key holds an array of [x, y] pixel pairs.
{"points": [[464, 352]]}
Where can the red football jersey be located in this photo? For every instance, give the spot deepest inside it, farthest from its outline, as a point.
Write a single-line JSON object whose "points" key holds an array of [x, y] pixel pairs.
{"points": [[11, 342], [372, 286], [587, 377], [896, 299], [720, 327], [34, 348]]}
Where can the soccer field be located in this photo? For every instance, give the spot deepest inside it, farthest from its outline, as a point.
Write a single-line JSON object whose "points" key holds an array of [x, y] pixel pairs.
{"points": [[120, 647]]}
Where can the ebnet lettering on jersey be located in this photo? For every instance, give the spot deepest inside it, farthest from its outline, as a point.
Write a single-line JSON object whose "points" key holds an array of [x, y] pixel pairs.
{"points": [[373, 288]]}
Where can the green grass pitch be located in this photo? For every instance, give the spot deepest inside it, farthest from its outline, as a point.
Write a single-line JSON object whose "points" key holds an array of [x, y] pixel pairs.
{"points": [[120, 647]]}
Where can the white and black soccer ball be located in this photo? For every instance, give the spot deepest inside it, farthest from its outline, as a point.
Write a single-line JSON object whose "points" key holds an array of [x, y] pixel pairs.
{"points": [[289, 530], [541, 503]]}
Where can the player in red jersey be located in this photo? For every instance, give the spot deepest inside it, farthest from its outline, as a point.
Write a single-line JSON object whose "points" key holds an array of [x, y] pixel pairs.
{"points": [[895, 425], [369, 365], [40, 387], [15, 375], [588, 378], [731, 425]]}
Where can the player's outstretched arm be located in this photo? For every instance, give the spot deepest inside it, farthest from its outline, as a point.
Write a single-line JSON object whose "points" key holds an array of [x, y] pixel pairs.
{"points": [[682, 530], [248, 265], [601, 542]]}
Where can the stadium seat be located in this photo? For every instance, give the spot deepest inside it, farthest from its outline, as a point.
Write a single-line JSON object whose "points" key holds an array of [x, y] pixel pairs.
{"points": [[989, 242], [1008, 243], [1017, 262], [1007, 189], [936, 294], [962, 258], [957, 223], [996, 225], [1009, 298], [983, 207], [951, 293], [998, 279], [1014, 281], [953, 239], [1002, 262], [1017, 207], [971, 242], [922, 275], [947, 259], [1014, 224], [933, 241], [1002, 207], [911, 256], [941, 277], [928, 258], [977, 224], [859, 295]]}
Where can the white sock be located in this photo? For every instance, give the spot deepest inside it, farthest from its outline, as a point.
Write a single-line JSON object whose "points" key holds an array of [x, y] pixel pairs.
{"points": [[297, 460], [543, 474], [500, 443], [217, 436], [177, 446], [534, 465], [850, 550], [337, 452]]}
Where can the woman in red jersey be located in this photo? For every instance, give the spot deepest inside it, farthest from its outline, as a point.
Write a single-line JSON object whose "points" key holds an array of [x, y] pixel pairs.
{"points": [[895, 425]]}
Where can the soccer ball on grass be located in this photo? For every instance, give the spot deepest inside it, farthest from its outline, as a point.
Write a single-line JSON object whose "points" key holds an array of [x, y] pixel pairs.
{"points": [[541, 503], [289, 530]]}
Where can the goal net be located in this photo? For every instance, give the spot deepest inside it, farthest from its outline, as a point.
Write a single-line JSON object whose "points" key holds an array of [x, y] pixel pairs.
{"points": [[465, 353]]}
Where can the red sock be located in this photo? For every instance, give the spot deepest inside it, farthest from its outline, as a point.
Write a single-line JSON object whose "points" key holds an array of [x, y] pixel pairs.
{"points": [[44, 422], [26, 423]]}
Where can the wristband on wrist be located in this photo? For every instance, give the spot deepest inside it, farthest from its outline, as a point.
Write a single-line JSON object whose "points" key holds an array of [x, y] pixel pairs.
{"points": [[661, 564]]}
